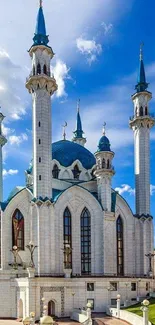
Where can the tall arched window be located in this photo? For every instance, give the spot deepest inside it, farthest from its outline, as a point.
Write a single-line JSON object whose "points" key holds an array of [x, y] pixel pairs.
{"points": [[85, 242], [103, 163], [145, 110], [38, 68], [44, 69], [18, 230], [55, 171], [34, 70], [108, 164], [120, 253], [67, 239], [76, 172], [141, 111]]}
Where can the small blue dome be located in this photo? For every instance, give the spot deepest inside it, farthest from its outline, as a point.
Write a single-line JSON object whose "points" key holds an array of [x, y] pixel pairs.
{"points": [[104, 144], [66, 152]]}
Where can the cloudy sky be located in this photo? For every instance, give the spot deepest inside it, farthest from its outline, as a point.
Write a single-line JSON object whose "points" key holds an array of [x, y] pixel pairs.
{"points": [[97, 52]]}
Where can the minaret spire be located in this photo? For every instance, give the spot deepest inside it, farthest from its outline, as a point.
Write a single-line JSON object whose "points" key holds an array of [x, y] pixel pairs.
{"points": [[41, 3], [78, 133], [142, 85]]}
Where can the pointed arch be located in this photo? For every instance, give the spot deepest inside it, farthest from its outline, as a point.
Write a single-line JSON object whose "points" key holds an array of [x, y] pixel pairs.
{"points": [[67, 222], [120, 246], [76, 172], [18, 230], [34, 70], [38, 68], [141, 111], [85, 242], [103, 163], [44, 69], [55, 171]]}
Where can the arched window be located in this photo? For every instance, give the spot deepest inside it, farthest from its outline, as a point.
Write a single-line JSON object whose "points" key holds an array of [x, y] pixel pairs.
{"points": [[34, 70], [103, 163], [76, 172], [146, 110], [120, 253], [44, 69], [85, 242], [141, 111], [108, 164], [55, 171], [18, 230], [67, 239], [38, 68]]}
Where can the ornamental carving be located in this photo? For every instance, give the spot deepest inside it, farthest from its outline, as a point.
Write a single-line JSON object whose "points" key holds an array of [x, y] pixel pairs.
{"points": [[53, 289]]}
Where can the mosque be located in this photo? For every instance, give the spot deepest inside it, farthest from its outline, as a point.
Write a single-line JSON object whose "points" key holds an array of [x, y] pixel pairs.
{"points": [[68, 238]]}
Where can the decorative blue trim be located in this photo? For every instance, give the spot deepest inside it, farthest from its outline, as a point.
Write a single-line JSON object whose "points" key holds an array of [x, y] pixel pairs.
{"points": [[139, 216]]}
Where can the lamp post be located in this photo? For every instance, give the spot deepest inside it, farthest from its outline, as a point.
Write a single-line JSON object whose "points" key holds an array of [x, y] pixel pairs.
{"points": [[150, 257], [15, 251], [31, 247], [144, 308], [138, 289], [118, 305], [126, 294], [73, 294], [32, 318], [26, 321]]}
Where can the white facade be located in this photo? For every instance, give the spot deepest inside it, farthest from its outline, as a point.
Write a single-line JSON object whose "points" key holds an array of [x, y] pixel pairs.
{"points": [[72, 206]]}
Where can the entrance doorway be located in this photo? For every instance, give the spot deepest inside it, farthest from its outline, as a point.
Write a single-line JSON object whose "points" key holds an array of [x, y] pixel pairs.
{"points": [[51, 308], [20, 308]]}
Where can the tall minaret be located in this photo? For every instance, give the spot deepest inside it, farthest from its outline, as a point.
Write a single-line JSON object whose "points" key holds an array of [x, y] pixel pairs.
{"points": [[78, 133], [3, 141], [42, 86], [141, 123]]}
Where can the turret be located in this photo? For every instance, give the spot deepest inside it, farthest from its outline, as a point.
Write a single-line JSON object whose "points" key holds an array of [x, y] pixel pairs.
{"points": [[104, 171], [42, 86], [78, 133]]}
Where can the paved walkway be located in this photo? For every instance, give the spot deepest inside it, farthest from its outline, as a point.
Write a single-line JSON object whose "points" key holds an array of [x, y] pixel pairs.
{"points": [[98, 321]]}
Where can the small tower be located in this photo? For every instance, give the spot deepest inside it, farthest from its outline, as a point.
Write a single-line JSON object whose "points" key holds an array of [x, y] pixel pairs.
{"points": [[42, 86], [104, 171], [78, 134], [141, 123], [3, 141]]}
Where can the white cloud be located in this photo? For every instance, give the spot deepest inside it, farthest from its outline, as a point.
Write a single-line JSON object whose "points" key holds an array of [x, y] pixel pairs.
{"points": [[152, 189], [125, 188], [17, 140], [89, 48], [11, 85], [107, 28], [10, 172], [61, 73]]}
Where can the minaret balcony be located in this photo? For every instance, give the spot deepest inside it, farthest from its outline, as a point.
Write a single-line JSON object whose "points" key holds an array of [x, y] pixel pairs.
{"points": [[41, 81], [144, 119]]}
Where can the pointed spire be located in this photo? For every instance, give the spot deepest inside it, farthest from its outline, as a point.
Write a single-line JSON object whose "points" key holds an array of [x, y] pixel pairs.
{"points": [[79, 132], [104, 129], [142, 85], [40, 37], [64, 131]]}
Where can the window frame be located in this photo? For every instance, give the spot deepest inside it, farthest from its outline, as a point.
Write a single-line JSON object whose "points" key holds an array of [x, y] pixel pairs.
{"points": [[85, 222]]}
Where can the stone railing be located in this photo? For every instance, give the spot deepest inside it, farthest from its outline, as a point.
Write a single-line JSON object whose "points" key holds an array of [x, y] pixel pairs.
{"points": [[127, 316]]}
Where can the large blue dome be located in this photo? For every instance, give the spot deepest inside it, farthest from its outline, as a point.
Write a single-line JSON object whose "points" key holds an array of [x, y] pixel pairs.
{"points": [[66, 152], [104, 144]]}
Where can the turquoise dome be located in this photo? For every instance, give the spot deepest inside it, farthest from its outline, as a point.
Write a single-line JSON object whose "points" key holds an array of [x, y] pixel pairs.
{"points": [[66, 152], [104, 144]]}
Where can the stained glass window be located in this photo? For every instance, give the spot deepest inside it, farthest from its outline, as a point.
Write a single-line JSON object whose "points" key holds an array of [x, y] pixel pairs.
{"points": [[18, 230], [120, 264], [67, 239], [85, 242]]}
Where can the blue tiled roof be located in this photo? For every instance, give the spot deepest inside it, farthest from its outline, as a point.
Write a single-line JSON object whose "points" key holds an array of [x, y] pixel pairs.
{"points": [[78, 132], [104, 144], [142, 85], [40, 37], [66, 152]]}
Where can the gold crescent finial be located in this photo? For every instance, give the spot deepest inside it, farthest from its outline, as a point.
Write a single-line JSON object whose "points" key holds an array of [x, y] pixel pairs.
{"points": [[41, 3], [141, 51], [64, 131], [104, 125]]}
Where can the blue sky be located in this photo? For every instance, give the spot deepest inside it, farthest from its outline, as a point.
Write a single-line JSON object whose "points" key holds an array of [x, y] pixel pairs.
{"points": [[97, 52]]}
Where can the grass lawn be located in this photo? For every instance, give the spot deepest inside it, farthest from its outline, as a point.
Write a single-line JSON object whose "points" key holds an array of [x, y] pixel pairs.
{"points": [[136, 310]]}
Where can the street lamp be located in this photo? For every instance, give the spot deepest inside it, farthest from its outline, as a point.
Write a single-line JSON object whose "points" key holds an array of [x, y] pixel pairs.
{"points": [[138, 289], [144, 308], [31, 247], [118, 305], [73, 294], [15, 251]]}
